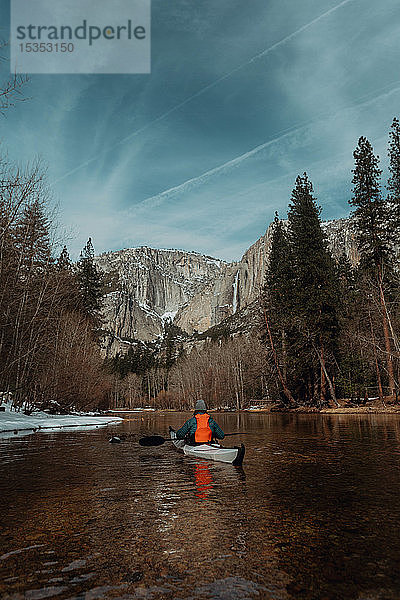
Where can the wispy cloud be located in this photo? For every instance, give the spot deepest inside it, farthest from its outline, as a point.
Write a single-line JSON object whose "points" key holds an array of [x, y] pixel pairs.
{"points": [[191, 158], [203, 90], [189, 185]]}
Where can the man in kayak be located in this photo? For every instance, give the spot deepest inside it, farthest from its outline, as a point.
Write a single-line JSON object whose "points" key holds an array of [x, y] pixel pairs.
{"points": [[201, 428]]}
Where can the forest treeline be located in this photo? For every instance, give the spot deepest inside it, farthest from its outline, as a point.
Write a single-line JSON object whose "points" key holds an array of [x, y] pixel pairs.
{"points": [[49, 352], [226, 373], [331, 327], [328, 328]]}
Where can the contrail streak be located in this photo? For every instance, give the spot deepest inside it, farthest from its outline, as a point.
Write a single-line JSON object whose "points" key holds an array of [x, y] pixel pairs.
{"points": [[190, 183], [204, 89], [292, 35]]}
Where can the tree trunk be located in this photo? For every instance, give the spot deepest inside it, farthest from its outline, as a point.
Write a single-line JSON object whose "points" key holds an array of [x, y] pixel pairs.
{"points": [[284, 353], [328, 379], [388, 348], [286, 390], [378, 373], [323, 378]]}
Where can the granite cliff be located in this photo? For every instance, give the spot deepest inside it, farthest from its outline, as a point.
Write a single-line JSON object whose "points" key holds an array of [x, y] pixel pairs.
{"points": [[147, 287]]}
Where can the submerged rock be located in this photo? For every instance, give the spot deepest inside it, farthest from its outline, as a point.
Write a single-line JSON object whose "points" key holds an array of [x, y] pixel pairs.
{"points": [[114, 440]]}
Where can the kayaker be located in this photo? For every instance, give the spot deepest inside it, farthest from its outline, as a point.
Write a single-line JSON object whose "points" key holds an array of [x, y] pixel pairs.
{"points": [[201, 428]]}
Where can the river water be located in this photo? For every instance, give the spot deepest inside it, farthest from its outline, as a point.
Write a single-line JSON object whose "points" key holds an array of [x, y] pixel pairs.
{"points": [[313, 514]]}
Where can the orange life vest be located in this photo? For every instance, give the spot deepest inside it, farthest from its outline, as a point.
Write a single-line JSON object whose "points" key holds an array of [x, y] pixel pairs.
{"points": [[203, 432]]}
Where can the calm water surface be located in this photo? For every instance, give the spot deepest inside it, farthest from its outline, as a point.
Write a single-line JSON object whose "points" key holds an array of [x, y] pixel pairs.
{"points": [[313, 514]]}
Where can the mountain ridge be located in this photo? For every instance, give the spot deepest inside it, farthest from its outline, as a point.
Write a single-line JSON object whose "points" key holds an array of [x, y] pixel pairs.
{"points": [[148, 286]]}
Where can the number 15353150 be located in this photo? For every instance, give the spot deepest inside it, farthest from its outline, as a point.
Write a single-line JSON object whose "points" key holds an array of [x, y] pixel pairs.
{"points": [[46, 47]]}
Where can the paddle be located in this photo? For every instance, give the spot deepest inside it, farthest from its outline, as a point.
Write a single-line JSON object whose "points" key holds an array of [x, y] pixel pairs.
{"points": [[158, 440]]}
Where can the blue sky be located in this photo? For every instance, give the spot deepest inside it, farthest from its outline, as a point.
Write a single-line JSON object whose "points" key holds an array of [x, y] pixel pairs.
{"points": [[200, 153]]}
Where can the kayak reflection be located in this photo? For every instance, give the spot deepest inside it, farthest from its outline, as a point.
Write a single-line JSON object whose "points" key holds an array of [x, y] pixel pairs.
{"points": [[205, 472], [203, 479]]}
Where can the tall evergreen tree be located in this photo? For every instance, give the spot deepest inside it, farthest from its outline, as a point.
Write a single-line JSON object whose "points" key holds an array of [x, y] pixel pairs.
{"points": [[280, 273], [67, 282], [277, 301], [64, 261], [32, 238], [315, 297], [355, 373], [371, 217], [394, 179], [393, 199], [370, 214], [90, 281]]}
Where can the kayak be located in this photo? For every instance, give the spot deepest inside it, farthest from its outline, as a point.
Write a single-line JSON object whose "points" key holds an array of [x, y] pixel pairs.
{"points": [[212, 451]]}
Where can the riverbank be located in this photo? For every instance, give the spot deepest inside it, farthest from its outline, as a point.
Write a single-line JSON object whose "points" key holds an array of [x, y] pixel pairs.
{"points": [[340, 410], [13, 421], [360, 410]]}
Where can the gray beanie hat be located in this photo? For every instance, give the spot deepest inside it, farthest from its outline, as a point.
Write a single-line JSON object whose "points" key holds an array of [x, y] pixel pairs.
{"points": [[200, 405]]}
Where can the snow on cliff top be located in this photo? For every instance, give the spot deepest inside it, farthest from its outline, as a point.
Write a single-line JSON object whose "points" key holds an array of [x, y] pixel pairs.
{"points": [[210, 259]]}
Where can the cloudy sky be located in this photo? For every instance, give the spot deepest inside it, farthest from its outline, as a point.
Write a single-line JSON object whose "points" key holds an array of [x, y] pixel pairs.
{"points": [[242, 97]]}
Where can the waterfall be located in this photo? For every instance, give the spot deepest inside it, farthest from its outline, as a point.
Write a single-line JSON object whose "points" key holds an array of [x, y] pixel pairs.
{"points": [[235, 293]]}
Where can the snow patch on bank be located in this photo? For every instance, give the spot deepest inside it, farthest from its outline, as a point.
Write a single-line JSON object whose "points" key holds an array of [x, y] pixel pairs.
{"points": [[11, 420]]}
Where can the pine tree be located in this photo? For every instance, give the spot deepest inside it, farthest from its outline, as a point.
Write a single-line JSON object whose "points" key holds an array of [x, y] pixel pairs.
{"points": [[280, 272], [394, 179], [32, 238], [355, 371], [63, 261], [90, 281], [371, 217], [371, 211], [277, 301], [67, 282], [393, 200], [315, 287]]}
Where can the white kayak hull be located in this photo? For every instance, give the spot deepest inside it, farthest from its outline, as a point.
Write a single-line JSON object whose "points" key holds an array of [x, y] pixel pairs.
{"points": [[210, 451]]}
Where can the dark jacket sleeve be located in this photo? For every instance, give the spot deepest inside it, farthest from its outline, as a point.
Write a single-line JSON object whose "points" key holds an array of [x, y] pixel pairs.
{"points": [[185, 429], [216, 429]]}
